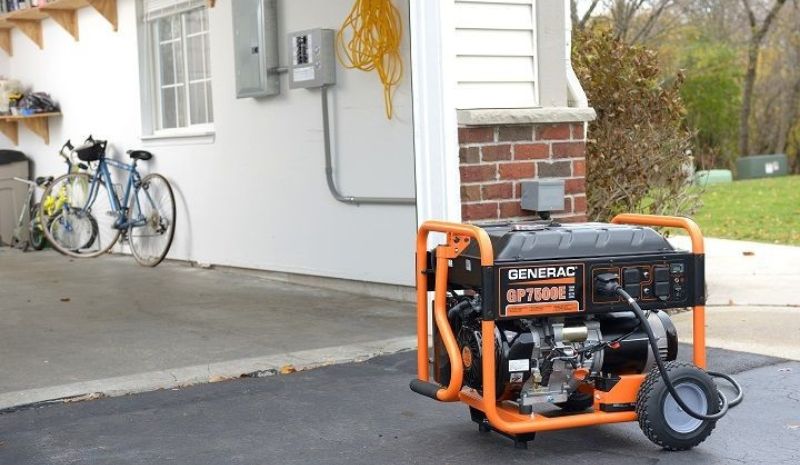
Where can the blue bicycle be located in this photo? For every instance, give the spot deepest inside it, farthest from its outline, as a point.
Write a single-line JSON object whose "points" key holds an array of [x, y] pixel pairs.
{"points": [[92, 212]]}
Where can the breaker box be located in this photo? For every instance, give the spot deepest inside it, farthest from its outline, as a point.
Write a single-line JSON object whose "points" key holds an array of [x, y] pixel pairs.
{"points": [[255, 41], [313, 63]]}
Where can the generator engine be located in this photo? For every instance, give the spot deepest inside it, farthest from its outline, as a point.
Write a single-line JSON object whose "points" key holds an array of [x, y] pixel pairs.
{"points": [[556, 337], [548, 359]]}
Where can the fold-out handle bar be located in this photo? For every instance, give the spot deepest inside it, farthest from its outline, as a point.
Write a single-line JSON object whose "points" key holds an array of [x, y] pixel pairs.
{"points": [[458, 236]]}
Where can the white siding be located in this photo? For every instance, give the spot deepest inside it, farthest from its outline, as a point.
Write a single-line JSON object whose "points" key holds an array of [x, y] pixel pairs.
{"points": [[496, 62]]}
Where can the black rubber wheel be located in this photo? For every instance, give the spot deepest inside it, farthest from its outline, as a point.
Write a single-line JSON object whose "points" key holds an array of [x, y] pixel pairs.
{"points": [[36, 230], [660, 418], [576, 402]]}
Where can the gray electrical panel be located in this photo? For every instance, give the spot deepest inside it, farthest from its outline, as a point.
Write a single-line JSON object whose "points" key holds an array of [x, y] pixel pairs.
{"points": [[255, 42], [313, 61]]}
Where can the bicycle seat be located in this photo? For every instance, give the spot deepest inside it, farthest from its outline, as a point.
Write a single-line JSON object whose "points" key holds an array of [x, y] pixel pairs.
{"points": [[41, 180], [140, 154]]}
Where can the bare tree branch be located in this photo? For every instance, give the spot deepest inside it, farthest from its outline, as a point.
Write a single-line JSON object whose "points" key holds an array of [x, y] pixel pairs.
{"points": [[756, 38]]}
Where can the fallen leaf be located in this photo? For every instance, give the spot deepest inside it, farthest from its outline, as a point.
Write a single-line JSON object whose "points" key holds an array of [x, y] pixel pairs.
{"points": [[65, 299], [748, 253], [287, 369]]}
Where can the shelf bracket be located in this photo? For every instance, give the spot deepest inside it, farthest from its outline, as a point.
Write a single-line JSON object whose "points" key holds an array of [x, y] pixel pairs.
{"points": [[5, 41], [11, 130], [107, 8], [40, 127], [31, 28], [68, 19]]}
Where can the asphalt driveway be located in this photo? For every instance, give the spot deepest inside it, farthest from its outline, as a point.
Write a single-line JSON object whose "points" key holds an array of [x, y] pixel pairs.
{"points": [[364, 413]]}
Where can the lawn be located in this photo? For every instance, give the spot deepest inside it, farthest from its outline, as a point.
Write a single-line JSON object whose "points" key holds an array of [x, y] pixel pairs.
{"points": [[763, 210]]}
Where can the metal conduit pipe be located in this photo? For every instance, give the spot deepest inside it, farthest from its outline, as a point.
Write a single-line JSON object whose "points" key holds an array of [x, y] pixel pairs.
{"points": [[348, 199]]}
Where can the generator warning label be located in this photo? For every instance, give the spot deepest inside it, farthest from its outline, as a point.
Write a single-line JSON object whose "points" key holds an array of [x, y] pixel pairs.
{"points": [[540, 289]]}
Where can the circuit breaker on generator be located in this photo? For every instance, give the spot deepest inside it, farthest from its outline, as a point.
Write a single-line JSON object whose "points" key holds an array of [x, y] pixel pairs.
{"points": [[313, 61]]}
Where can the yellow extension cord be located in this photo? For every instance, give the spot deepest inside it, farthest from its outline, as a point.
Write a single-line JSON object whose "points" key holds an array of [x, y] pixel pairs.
{"points": [[375, 30]]}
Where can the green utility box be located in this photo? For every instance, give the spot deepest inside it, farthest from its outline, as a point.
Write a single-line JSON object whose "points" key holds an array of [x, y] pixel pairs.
{"points": [[705, 178], [762, 166]]}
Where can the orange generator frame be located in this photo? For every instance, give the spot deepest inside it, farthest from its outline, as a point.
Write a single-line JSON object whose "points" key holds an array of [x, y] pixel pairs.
{"points": [[502, 417]]}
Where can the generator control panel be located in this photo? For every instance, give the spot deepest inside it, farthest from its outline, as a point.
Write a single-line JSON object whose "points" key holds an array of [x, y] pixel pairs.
{"points": [[313, 61], [553, 270]]}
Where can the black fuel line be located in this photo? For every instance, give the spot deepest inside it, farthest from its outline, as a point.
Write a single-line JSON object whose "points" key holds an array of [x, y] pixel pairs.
{"points": [[608, 284]]}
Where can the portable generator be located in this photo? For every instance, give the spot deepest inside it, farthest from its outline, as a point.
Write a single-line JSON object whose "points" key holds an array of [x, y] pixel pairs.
{"points": [[540, 326]]}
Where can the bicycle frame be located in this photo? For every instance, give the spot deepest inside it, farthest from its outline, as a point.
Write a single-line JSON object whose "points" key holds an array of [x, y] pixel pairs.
{"points": [[119, 205]]}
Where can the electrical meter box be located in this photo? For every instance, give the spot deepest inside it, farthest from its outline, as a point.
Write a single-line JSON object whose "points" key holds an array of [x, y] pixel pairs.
{"points": [[255, 42], [313, 61]]}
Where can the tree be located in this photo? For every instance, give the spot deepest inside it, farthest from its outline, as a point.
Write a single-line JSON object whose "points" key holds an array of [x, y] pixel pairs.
{"points": [[712, 94], [757, 34], [632, 20]]}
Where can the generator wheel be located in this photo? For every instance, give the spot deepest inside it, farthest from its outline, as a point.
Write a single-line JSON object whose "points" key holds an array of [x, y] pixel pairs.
{"points": [[577, 402], [660, 417]]}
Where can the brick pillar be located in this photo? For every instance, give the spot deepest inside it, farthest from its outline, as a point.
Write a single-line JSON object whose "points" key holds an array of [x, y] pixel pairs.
{"points": [[494, 160]]}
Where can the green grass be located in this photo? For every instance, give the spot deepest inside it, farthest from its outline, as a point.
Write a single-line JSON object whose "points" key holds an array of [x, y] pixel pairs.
{"points": [[763, 210]]}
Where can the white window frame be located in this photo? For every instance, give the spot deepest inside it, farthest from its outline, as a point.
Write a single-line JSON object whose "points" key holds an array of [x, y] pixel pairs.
{"points": [[150, 78]]}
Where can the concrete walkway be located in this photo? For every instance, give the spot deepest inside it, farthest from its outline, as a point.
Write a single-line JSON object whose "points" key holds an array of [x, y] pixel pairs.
{"points": [[106, 325], [753, 297]]}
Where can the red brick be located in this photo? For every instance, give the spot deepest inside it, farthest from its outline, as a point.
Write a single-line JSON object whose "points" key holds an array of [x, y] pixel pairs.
{"points": [[499, 191], [577, 131], [477, 134], [531, 151], [515, 133], [517, 170], [517, 190], [569, 149], [471, 193], [467, 155], [580, 204], [511, 209], [579, 168], [478, 173], [558, 169], [496, 152], [479, 211], [559, 131], [575, 186]]}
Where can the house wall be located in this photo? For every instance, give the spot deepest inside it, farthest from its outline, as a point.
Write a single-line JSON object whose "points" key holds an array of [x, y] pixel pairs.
{"points": [[254, 195]]}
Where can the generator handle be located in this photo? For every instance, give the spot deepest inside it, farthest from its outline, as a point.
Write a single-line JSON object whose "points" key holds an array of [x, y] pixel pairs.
{"points": [[698, 248], [455, 232]]}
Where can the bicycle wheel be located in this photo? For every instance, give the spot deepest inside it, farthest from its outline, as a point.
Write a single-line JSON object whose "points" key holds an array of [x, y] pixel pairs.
{"points": [[82, 223], [151, 220], [35, 229]]}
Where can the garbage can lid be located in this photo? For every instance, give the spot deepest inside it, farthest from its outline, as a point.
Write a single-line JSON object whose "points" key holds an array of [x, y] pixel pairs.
{"points": [[11, 156]]}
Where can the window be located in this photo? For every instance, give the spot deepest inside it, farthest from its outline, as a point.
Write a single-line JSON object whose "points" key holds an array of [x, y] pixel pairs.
{"points": [[179, 74]]}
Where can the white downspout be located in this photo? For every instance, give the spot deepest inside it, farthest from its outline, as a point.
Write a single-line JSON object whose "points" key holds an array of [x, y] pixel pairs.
{"points": [[576, 97]]}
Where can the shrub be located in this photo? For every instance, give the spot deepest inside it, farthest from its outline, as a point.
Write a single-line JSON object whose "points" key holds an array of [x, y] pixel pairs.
{"points": [[638, 152]]}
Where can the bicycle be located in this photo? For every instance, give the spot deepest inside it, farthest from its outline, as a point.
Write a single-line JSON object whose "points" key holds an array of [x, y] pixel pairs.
{"points": [[35, 231], [93, 216], [44, 210]]}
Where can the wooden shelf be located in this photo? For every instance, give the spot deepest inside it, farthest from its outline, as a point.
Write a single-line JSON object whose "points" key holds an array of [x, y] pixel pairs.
{"points": [[38, 123], [63, 12]]}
